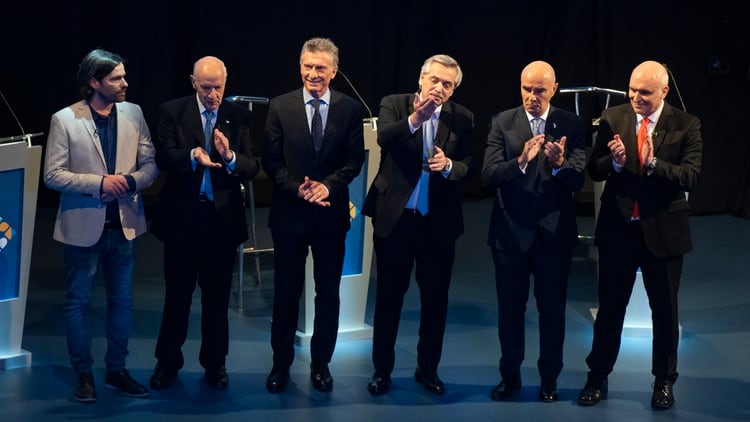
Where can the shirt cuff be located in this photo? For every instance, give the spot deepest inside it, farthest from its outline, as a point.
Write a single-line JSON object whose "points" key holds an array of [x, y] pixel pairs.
{"points": [[231, 164]]}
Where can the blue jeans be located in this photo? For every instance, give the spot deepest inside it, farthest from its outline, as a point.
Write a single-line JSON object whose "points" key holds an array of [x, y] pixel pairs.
{"points": [[116, 256]]}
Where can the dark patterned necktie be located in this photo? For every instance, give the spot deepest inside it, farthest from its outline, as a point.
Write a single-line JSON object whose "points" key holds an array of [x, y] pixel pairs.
{"points": [[317, 125]]}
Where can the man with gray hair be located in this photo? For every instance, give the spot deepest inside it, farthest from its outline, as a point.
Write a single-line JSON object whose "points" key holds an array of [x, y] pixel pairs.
{"points": [[416, 208], [314, 148], [204, 146]]}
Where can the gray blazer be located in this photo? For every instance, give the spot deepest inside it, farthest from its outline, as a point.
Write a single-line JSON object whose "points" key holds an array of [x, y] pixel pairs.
{"points": [[74, 165]]}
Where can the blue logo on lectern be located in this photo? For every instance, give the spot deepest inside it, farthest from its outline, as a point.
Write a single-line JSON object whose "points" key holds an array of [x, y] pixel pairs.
{"points": [[6, 233], [11, 214], [355, 238]]}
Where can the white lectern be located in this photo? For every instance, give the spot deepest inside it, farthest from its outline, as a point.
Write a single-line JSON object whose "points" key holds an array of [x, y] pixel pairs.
{"points": [[357, 262], [19, 178]]}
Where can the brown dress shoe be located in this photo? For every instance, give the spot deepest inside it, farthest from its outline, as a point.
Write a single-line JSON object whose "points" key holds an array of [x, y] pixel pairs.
{"points": [[85, 390]]}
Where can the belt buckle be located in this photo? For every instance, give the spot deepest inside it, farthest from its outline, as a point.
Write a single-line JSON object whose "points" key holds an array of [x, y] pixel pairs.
{"points": [[202, 197]]}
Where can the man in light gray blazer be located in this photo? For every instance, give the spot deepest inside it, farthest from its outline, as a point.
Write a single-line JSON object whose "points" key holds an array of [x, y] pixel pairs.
{"points": [[100, 157]]}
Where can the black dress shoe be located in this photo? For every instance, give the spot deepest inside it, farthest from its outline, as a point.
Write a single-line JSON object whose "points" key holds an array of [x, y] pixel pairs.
{"points": [[548, 392], [506, 388], [430, 381], [217, 378], [124, 383], [321, 377], [379, 385], [277, 380], [663, 397], [593, 392], [162, 378]]}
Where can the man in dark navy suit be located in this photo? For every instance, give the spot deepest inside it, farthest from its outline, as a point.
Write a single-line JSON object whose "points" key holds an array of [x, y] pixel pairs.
{"points": [[534, 161], [314, 147], [204, 146], [417, 215]]}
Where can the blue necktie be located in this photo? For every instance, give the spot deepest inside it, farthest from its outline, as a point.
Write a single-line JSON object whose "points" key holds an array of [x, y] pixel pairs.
{"points": [[536, 126], [208, 133], [428, 136]]}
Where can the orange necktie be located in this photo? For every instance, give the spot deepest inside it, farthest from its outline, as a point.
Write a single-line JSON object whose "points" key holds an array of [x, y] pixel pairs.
{"points": [[642, 134]]}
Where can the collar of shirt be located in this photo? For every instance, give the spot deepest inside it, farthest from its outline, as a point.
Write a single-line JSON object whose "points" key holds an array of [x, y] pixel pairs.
{"points": [[652, 118], [543, 116], [325, 99], [202, 110], [101, 117]]}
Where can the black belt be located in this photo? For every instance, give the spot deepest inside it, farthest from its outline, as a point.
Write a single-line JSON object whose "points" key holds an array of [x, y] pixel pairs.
{"points": [[202, 197]]}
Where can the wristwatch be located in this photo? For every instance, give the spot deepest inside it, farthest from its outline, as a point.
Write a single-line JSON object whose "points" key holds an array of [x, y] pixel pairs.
{"points": [[652, 164]]}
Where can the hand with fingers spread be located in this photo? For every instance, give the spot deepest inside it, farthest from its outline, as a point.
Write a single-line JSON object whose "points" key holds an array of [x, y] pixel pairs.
{"points": [[555, 152]]}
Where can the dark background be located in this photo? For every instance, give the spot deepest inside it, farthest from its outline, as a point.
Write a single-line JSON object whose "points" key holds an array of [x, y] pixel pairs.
{"points": [[382, 45]]}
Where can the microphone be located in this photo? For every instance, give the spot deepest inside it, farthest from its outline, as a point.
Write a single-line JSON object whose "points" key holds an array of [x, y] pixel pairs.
{"points": [[369, 112], [674, 82], [23, 135], [23, 132]]}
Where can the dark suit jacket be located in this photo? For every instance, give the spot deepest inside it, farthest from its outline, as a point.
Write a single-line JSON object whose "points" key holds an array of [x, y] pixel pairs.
{"points": [[537, 200], [401, 167], [663, 205], [180, 130], [289, 156]]}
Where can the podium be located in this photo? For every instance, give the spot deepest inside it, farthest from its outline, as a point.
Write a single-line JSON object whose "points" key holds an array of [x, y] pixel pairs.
{"points": [[19, 179], [357, 261]]}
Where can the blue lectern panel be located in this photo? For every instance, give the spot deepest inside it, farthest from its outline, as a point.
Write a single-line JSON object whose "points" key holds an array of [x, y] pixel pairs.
{"points": [[11, 215], [355, 241]]}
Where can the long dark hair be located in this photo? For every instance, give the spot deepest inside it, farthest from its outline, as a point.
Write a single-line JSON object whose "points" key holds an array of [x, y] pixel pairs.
{"points": [[97, 64]]}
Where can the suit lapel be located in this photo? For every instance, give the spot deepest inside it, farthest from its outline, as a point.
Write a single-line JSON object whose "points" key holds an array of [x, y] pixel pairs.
{"points": [[660, 131], [330, 126], [90, 127], [124, 131], [522, 126], [417, 136], [629, 138], [550, 125], [191, 119], [443, 125]]}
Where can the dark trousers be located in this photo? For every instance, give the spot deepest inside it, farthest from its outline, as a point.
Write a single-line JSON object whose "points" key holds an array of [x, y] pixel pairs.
{"points": [[661, 280], [209, 263], [290, 254], [410, 242], [550, 267]]}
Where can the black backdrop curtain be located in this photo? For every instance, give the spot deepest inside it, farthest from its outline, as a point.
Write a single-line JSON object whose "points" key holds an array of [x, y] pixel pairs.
{"points": [[383, 43]]}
